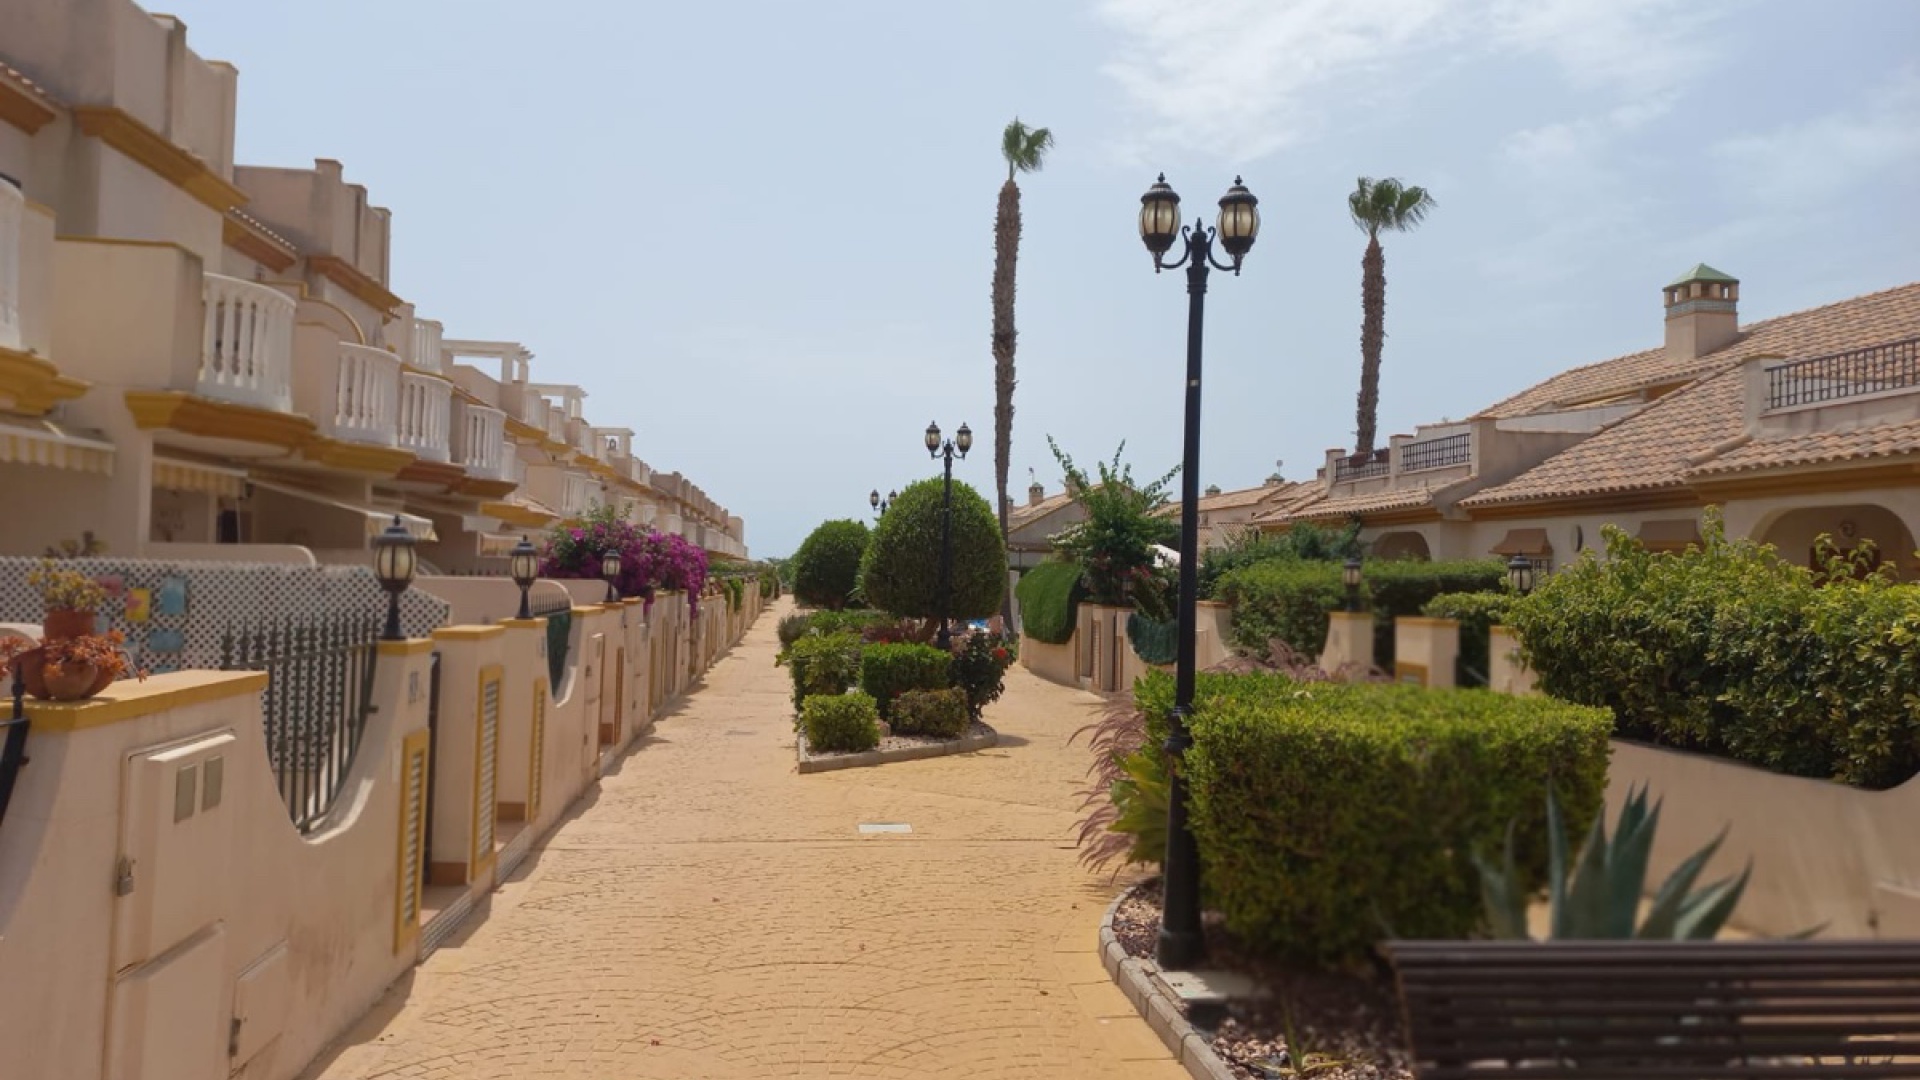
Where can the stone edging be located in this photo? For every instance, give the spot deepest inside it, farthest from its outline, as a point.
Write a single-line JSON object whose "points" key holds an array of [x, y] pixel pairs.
{"points": [[965, 744], [1136, 979]]}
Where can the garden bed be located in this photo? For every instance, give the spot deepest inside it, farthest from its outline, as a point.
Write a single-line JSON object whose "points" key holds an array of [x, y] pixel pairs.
{"points": [[978, 736], [1347, 1023]]}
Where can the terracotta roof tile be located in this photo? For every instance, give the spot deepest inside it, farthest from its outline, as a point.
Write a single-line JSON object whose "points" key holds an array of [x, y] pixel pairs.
{"points": [[1881, 316], [1342, 507], [1025, 514], [1233, 500], [1886, 440]]}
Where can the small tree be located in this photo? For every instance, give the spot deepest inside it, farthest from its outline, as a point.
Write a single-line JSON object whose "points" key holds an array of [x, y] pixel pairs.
{"points": [[827, 566], [1115, 545], [901, 571]]}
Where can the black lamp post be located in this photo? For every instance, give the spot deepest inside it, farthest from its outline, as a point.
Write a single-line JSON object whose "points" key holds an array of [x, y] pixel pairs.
{"points": [[393, 566], [610, 570], [1181, 944], [962, 441], [879, 504], [1520, 574], [1350, 576], [523, 564]]}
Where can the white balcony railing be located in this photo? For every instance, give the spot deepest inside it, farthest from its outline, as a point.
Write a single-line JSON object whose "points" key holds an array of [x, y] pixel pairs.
{"points": [[556, 424], [480, 441], [517, 470], [581, 493], [13, 215], [424, 349], [366, 396], [246, 353], [426, 416]]}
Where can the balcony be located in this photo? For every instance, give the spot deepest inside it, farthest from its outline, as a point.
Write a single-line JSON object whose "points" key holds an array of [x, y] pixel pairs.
{"points": [[366, 397], [423, 350], [13, 218], [426, 416], [479, 442], [556, 424], [1890, 368], [581, 493], [1361, 467], [1444, 452], [246, 352]]}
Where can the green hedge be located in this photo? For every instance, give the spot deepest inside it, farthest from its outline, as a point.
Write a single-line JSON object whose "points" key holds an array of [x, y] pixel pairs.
{"points": [[1330, 816], [901, 569], [822, 664], [1477, 613], [1289, 599], [853, 621], [1400, 588], [840, 722], [1049, 599], [939, 714], [1730, 650], [887, 671], [826, 568], [1154, 642]]}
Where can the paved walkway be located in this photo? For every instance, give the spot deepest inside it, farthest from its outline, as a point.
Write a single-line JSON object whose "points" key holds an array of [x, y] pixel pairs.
{"points": [[709, 914]]}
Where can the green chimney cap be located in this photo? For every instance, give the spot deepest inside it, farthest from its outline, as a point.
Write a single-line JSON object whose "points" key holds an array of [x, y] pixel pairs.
{"points": [[1703, 272]]}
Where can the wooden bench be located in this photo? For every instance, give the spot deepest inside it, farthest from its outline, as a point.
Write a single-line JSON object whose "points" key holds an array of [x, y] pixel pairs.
{"points": [[1508, 1010]]}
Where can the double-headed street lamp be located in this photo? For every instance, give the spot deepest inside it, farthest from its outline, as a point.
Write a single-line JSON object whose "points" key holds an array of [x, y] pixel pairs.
{"points": [[1181, 943], [962, 441], [879, 504]]}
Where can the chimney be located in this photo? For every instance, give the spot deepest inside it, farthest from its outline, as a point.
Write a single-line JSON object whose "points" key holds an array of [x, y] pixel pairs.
{"points": [[1212, 490], [1275, 480], [1701, 313], [1036, 494]]}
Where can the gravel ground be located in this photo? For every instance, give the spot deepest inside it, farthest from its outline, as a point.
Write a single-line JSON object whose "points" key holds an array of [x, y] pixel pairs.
{"points": [[1347, 1024], [897, 742]]}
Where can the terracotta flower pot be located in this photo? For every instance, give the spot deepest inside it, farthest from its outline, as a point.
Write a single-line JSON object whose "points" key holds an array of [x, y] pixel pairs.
{"points": [[74, 682], [66, 623]]}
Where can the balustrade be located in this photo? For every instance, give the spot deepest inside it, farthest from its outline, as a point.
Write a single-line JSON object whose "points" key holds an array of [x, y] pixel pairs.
{"points": [[479, 441], [366, 396], [246, 351], [425, 346], [13, 214], [426, 415]]}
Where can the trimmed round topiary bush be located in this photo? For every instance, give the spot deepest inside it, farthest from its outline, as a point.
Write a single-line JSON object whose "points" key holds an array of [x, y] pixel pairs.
{"points": [[938, 714], [1049, 598], [901, 570], [840, 723], [827, 566], [887, 671]]}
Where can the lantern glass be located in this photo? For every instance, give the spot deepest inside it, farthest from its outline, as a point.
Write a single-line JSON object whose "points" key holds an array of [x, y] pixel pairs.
{"points": [[1239, 222], [963, 439], [393, 558], [1520, 574], [524, 564], [933, 438], [610, 565], [873, 499], [1350, 573], [1159, 216]]}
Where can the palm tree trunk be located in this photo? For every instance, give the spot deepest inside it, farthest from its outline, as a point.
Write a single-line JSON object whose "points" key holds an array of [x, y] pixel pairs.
{"points": [[1373, 335], [1006, 250]]}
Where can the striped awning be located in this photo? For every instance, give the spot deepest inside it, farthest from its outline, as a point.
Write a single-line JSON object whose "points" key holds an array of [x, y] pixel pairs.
{"points": [[42, 443], [171, 474], [375, 519]]}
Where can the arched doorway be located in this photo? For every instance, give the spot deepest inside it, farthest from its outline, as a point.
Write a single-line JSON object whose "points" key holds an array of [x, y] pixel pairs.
{"points": [[1796, 532], [1402, 545]]}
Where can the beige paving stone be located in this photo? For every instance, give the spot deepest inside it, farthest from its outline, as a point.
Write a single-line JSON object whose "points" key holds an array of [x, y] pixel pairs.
{"points": [[708, 912]]}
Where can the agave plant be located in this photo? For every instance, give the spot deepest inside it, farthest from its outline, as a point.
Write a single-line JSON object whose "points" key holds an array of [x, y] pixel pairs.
{"points": [[1600, 897]]}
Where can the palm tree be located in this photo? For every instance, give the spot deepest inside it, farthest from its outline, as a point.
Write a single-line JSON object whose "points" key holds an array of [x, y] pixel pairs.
{"points": [[1023, 148], [1376, 206]]}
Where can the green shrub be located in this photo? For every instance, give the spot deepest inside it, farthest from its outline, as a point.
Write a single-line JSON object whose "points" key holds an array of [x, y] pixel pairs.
{"points": [[840, 722], [1114, 546], [1153, 641], [1397, 588], [901, 570], [887, 671], [1308, 543], [1283, 599], [1049, 599], [938, 714], [979, 668], [822, 664], [1330, 816], [1477, 613], [855, 621], [826, 568], [792, 628], [1731, 650]]}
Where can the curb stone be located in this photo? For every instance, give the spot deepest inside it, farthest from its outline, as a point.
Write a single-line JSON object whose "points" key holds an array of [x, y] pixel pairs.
{"points": [[1135, 978], [965, 744]]}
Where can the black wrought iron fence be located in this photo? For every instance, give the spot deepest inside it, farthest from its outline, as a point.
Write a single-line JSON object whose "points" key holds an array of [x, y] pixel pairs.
{"points": [[1894, 365], [559, 615], [319, 694], [1438, 453], [1361, 466]]}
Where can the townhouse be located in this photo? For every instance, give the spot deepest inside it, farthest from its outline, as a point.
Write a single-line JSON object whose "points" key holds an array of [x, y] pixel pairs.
{"points": [[200, 359]]}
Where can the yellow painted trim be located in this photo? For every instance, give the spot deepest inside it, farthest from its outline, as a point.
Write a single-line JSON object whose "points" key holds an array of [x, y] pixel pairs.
{"points": [[1667, 498], [242, 238], [1420, 620], [409, 647], [307, 297], [514, 514], [588, 609], [1402, 669], [33, 384], [485, 489], [416, 746], [129, 700], [537, 750], [520, 429], [191, 414], [468, 633], [355, 281], [385, 461], [524, 624], [421, 471], [19, 107], [481, 861], [179, 167]]}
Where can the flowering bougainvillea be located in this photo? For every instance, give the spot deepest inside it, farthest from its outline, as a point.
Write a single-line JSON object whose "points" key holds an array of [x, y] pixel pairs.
{"points": [[649, 560]]}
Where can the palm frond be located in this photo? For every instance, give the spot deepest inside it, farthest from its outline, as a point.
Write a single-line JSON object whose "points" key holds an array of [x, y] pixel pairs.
{"points": [[1388, 204], [1024, 148]]}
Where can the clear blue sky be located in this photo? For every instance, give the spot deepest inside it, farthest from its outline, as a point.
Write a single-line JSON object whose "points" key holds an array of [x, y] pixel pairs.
{"points": [[783, 212]]}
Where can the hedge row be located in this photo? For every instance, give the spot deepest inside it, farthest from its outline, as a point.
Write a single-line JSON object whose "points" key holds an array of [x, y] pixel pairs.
{"points": [[1731, 650], [887, 671], [1477, 613], [1289, 599], [1049, 597], [1330, 816]]}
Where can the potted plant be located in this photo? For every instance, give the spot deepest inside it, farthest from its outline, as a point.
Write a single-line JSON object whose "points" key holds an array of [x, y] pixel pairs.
{"points": [[71, 601], [70, 662]]}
